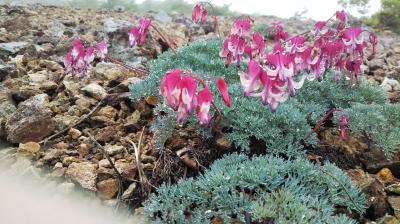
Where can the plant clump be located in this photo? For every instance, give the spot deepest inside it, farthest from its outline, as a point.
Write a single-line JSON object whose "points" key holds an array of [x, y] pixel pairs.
{"points": [[237, 188]]}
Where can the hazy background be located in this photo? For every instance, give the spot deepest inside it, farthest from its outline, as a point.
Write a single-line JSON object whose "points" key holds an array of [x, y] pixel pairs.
{"points": [[315, 9]]}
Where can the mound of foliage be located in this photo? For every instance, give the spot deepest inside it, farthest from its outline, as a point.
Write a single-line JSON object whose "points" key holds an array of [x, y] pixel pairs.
{"points": [[284, 131], [262, 188]]}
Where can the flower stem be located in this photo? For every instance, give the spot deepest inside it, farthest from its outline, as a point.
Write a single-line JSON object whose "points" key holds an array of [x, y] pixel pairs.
{"points": [[165, 38], [323, 119], [139, 71]]}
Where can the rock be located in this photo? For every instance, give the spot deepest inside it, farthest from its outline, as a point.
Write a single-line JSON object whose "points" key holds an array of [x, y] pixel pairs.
{"points": [[38, 77], [53, 155], [110, 202], [394, 201], [74, 133], [127, 169], [390, 85], [83, 150], [109, 71], [68, 160], [163, 17], [56, 28], [376, 63], [112, 25], [105, 173], [29, 148], [224, 143], [7, 70], [32, 121], [128, 193], [12, 48], [84, 173], [7, 108], [385, 175], [107, 189], [95, 90], [132, 123], [105, 163], [114, 149], [374, 192], [108, 112], [394, 188]]}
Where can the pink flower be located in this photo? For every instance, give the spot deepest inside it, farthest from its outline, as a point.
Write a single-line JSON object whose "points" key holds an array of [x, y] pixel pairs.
{"points": [[296, 44], [223, 88], [188, 86], [282, 64], [170, 88], [138, 35], [102, 49], [318, 67], [279, 33], [351, 38], [89, 55], [68, 63], [203, 16], [353, 66], [344, 120], [196, 13], [77, 48], [199, 13], [236, 46], [226, 53], [320, 28], [251, 84], [241, 26], [257, 48], [341, 16], [273, 91], [204, 101]]}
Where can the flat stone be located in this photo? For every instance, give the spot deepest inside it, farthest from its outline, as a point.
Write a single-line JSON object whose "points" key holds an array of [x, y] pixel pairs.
{"points": [[95, 90], [394, 201], [84, 173], [28, 148], [114, 149], [32, 121], [13, 47], [128, 193], [107, 189]]}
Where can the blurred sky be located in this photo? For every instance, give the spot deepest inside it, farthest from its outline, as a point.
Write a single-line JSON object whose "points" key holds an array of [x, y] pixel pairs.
{"points": [[316, 9]]}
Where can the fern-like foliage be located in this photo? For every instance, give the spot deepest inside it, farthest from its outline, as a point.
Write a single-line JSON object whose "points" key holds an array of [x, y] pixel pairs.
{"points": [[282, 132], [261, 186]]}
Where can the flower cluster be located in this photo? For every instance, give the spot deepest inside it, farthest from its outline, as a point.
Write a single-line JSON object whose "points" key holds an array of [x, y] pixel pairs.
{"points": [[199, 13], [138, 34], [276, 74], [179, 92], [79, 58], [234, 44]]}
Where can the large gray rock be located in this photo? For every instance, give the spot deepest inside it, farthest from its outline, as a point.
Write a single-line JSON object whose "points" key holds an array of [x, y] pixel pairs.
{"points": [[84, 173], [112, 25], [32, 121], [13, 47], [7, 70]]}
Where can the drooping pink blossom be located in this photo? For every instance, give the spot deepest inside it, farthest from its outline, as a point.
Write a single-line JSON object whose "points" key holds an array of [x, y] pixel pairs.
{"points": [[320, 28], [341, 17], [281, 63], [236, 46], [138, 35], [102, 49], [188, 86], [241, 26], [204, 101], [223, 89], [170, 88], [373, 39], [279, 33], [252, 83], [89, 55], [196, 13], [226, 53]]}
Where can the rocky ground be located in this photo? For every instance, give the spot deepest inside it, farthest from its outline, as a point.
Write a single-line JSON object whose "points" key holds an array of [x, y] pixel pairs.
{"points": [[36, 102]]}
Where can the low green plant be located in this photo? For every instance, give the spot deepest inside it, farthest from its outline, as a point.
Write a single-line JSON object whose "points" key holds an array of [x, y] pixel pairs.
{"points": [[282, 132], [236, 187]]}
